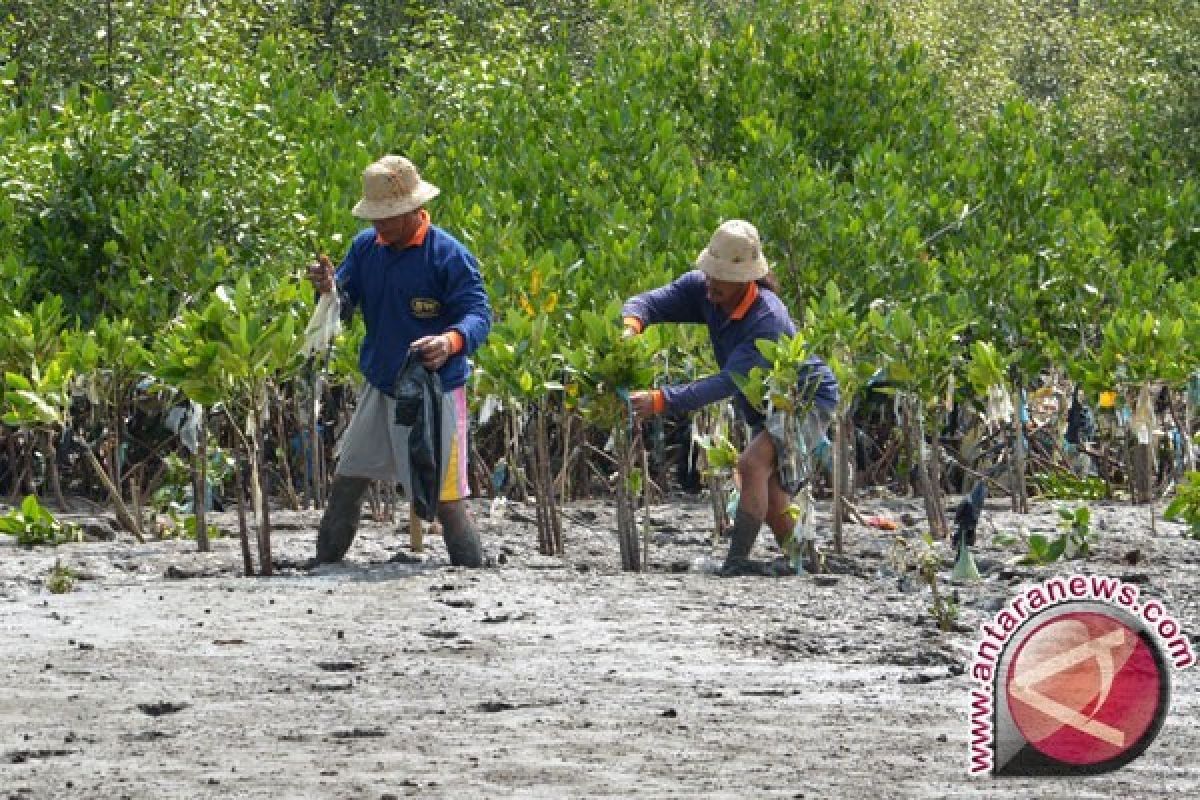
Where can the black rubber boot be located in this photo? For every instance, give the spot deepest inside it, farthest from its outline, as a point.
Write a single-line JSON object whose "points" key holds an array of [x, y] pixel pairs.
{"points": [[339, 523], [460, 536], [741, 541]]}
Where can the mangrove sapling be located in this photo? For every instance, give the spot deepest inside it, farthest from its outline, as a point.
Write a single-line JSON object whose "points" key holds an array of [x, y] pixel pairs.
{"points": [[718, 459], [943, 608], [1075, 541], [841, 335], [200, 481], [243, 529], [522, 367], [230, 352], [42, 402], [1185, 507], [281, 437], [61, 578], [921, 556], [921, 347], [1078, 531], [34, 525], [609, 366]]}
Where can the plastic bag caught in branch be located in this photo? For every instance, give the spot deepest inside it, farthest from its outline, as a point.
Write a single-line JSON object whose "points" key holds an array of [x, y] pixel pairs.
{"points": [[1144, 422], [999, 405], [325, 325]]}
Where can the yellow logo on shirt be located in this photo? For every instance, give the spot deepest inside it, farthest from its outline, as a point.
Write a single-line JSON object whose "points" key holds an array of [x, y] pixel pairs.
{"points": [[425, 307]]}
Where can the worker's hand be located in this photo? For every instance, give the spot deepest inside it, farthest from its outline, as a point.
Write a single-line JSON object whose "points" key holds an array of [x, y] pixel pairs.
{"points": [[643, 404], [321, 275], [629, 332], [433, 350]]}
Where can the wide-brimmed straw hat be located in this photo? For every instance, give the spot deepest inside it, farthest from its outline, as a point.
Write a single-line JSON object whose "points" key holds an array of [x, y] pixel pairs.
{"points": [[391, 187], [734, 253]]}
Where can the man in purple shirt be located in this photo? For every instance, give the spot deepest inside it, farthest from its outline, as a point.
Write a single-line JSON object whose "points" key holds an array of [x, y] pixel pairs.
{"points": [[733, 292]]}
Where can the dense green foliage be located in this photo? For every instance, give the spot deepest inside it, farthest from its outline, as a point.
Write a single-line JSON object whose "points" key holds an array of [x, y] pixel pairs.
{"points": [[976, 175]]}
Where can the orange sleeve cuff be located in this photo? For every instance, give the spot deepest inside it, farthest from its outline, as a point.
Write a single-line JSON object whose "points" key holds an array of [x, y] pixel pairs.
{"points": [[660, 401], [456, 342], [635, 323]]}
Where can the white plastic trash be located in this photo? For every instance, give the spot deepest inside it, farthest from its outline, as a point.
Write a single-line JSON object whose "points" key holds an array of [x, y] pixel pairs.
{"points": [[325, 325]]}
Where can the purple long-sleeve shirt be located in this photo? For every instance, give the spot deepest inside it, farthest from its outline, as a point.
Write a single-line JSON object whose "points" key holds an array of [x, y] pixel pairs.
{"points": [[733, 339]]}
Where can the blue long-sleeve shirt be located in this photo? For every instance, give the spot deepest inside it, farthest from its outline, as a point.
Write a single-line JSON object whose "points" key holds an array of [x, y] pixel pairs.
{"points": [[733, 339], [404, 294]]}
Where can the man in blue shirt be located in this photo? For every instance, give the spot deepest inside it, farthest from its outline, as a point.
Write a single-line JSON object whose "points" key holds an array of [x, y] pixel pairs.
{"points": [[418, 289], [733, 292]]}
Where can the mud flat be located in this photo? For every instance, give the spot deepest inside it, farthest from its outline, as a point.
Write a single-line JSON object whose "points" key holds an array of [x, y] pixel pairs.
{"points": [[167, 675]]}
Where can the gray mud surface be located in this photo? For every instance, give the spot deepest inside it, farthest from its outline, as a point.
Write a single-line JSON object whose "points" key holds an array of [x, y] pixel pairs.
{"points": [[166, 674]]}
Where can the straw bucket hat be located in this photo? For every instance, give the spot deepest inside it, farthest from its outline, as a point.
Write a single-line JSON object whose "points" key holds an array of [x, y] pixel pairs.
{"points": [[734, 254], [391, 187]]}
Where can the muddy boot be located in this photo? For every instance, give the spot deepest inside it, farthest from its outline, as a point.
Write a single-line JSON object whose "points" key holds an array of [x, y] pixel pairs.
{"points": [[460, 536], [339, 523], [741, 542]]}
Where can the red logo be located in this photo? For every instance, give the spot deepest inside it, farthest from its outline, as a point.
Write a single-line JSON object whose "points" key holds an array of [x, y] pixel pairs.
{"points": [[1086, 690]]}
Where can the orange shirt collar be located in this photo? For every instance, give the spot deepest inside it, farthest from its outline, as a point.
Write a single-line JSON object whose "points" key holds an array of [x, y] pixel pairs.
{"points": [[747, 300], [418, 237]]}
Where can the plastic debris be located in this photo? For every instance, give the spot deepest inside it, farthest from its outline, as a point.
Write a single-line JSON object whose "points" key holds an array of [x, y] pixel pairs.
{"points": [[965, 569], [999, 405], [325, 325], [1144, 421]]}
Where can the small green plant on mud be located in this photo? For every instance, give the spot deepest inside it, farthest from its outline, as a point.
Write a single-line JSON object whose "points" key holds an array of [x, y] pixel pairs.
{"points": [[33, 525], [1185, 507], [1078, 531], [921, 555], [1075, 541], [61, 578], [1064, 486]]}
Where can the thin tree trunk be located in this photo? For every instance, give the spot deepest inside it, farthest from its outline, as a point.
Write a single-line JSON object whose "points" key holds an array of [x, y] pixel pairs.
{"points": [[135, 497], [562, 483], [1142, 472], [285, 466], [243, 529], [1020, 494], [553, 519], [645, 507], [533, 459], [257, 489], [626, 524], [52, 473], [123, 516], [265, 562], [839, 464], [200, 484], [935, 471], [1190, 452], [316, 455], [306, 453], [930, 492], [21, 473]]}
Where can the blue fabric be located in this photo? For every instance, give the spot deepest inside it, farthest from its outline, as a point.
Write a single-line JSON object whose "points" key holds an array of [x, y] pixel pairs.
{"points": [[685, 300], [406, 294]]}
